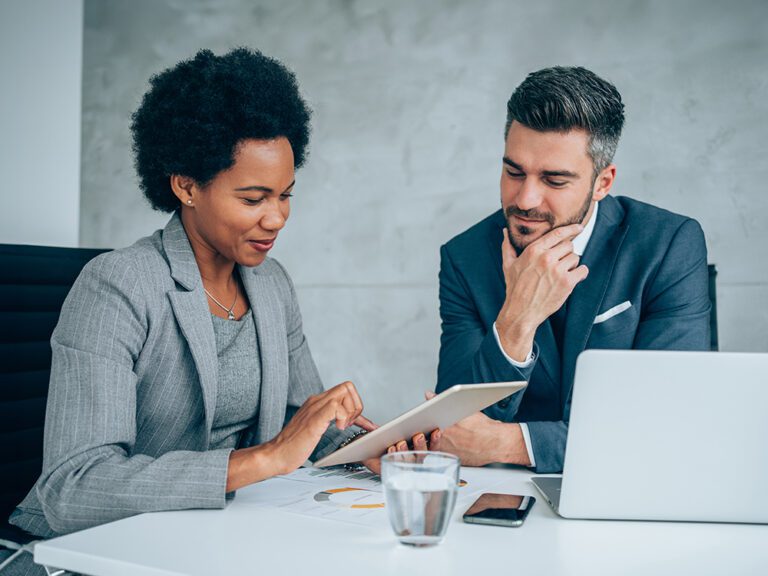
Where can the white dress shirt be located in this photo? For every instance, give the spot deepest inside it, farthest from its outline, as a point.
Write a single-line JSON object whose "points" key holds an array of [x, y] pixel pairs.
{"points": [[579, 245]]}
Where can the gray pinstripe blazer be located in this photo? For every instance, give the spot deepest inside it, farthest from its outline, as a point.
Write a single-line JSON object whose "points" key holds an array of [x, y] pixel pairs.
{"points": [[133, 387]]}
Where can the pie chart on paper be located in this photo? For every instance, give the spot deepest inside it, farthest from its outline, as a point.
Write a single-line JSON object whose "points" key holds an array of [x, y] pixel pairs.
{"points": [[352, 498], [356, 498]]}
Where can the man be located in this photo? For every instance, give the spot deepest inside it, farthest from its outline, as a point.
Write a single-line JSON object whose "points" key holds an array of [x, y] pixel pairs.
{"points": [[560, 268]]}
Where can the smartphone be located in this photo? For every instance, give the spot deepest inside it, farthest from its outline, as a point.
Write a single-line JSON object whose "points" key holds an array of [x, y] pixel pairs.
{"points": [[499, 509]]}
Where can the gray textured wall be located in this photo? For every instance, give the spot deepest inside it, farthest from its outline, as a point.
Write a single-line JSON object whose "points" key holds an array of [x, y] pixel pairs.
{"points": [[409, 101], [40, 126]]}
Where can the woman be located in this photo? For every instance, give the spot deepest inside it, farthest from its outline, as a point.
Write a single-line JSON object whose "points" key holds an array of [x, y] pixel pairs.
{"points": [[180, 370]]}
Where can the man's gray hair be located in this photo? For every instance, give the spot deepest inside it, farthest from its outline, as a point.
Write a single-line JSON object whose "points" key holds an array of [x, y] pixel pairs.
{"points": [[565, 98]]}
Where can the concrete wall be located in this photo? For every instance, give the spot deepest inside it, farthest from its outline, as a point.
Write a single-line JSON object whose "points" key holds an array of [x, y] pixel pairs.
{"points": [[41, 63], [409, 101]]}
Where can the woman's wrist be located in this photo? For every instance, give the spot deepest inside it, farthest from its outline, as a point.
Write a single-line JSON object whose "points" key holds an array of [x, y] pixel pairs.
{"points": [[250, 465]]}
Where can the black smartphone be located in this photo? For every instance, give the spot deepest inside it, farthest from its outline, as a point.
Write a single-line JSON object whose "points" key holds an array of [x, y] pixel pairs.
{"points": [[499, 509]]}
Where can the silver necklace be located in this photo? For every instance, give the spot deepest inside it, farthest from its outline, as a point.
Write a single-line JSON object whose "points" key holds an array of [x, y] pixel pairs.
{"points": [[230, 311]]}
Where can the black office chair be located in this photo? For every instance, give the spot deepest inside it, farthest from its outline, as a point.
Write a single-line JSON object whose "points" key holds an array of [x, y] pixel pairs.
{"points": [[34, 280], [714, 345]]}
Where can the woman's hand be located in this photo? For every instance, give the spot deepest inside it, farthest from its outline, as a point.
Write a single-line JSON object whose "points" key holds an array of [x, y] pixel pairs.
{"points": [[295, 443], [298, 439]]}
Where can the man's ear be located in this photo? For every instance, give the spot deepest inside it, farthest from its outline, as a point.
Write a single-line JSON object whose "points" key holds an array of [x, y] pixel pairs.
{"points": [[604, 181], [185, 189]]}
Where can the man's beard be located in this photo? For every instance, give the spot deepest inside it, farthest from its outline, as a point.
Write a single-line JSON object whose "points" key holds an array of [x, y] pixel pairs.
{"points": [[533, 214]]}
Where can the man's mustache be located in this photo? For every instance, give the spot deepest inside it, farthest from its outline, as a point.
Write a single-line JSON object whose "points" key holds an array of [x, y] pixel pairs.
{"points": [[531, 214]]}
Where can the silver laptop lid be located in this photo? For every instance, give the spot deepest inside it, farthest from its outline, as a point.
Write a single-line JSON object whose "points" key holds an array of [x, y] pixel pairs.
{"points": [[668, 436]]}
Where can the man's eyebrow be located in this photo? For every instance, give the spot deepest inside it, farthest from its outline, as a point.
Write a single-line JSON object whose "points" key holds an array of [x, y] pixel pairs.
{"points": [[561, 173], [548, 173], [266, 189], [514, 165]]}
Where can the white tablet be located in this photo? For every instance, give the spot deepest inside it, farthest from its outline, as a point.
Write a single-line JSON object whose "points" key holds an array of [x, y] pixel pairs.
{"points": [[442, 411]]}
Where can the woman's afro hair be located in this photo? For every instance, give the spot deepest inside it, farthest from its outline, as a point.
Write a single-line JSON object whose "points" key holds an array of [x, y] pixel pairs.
{"points": [[195, 114]]}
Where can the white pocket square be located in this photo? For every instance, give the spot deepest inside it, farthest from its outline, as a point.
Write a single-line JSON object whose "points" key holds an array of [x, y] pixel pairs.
{"points": [[611, 312]]}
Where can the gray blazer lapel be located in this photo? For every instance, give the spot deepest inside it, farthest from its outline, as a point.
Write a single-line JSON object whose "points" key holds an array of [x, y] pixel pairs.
{"points": [[586, 298], [269, 315], [190, 306]]}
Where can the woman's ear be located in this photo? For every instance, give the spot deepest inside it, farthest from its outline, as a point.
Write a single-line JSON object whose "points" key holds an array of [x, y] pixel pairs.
{"points": [[184, 188]]}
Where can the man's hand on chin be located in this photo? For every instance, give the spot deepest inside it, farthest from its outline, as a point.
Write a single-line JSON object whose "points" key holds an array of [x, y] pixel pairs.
{"points": [[479, 440]]}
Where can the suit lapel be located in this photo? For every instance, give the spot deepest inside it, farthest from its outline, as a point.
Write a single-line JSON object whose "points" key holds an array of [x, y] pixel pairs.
{"points": [[192, 315], [494, 245], [269, 316], [549, 355], [190, 306], [585, 300]]}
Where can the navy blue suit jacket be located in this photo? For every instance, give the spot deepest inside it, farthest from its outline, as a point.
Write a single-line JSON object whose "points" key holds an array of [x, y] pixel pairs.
{"points": [[639, 253]]}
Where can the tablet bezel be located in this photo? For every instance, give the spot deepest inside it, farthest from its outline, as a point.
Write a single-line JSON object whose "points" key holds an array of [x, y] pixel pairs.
{"points": [[442, 411]]}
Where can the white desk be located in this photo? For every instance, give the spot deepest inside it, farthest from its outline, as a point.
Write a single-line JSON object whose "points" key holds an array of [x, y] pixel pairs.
{"points": [[243, 539]]}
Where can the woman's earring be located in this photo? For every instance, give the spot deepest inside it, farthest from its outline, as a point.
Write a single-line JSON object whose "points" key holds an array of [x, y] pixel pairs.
{"points": [[189, 202]]}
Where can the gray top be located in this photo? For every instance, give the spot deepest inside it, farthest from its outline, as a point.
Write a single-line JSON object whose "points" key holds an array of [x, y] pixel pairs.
{"points": [[237, 399], [134, 387]]}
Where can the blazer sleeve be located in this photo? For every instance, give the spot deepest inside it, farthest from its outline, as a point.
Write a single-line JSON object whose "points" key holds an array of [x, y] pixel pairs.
{"points": [[548, 445], [675, 313], [674, 316], [90, 473], [303, 377], [469, 352]]}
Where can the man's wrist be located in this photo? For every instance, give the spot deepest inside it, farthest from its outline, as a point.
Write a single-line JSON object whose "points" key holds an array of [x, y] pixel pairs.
{"points": [[515, 338], [524, 364], [511, 446]]}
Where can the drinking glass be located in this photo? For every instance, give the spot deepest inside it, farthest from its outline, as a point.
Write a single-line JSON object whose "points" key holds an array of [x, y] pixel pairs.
{"points": [[420, 491]]}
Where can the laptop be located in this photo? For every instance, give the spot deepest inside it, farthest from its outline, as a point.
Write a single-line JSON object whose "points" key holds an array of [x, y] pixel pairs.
{"points": [[662, 435]]}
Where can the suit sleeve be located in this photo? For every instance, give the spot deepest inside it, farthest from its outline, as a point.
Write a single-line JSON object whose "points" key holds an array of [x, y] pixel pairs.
{"points": [[90, 474], [304, 378], [469, 352], [675, 313], [548, 445], [674, 316]]}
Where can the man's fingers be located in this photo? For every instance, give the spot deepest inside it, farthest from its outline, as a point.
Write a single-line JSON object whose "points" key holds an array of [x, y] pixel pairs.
{"points": [[429, 395], [434, 439], [557, 235], [562, 249], [508, 254], [419, 442], [581, 273], [401, 446], [373, 464], [569, 262]]}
